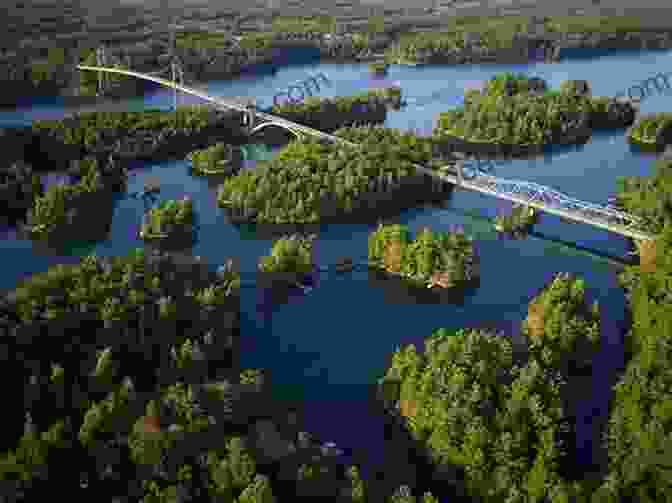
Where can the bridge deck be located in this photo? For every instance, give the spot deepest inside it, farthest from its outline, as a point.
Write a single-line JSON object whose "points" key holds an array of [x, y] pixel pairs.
{"points": [[576, 216], [472, 184]]}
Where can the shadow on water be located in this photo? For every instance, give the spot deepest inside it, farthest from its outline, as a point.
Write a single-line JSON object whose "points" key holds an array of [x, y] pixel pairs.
{"points": [[587, 53], [565, 245], [615, 259], [399, 291]]}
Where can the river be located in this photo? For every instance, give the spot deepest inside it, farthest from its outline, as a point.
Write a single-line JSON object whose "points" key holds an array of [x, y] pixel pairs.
{"points": [[328, 347]]}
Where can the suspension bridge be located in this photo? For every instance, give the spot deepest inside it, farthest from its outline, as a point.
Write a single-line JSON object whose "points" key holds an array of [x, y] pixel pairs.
{"points": [[517, 191]]}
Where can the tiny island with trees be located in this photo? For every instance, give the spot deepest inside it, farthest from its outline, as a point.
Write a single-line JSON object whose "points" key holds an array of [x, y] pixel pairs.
{"points": [[517, 222], [430, 260], [652, 131], [218, 159], [290, 264], [170, 220]]}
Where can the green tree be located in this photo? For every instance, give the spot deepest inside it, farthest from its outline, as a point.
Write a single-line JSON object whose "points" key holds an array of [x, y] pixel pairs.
{"points": [[259, 491], [241, 462]]}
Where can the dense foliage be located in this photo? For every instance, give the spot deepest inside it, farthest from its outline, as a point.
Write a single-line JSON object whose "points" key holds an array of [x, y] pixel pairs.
{"points": [[201, 39], [518, 221], [308, 179], [508, 84], [474, 409], [560, 324], [653, 129], [429, 257], [593, 24], [293, 254], [378, 67], [638, 439], [499, 32], [86, 129], [172, 216], [494, 32], [159, 414], [216, 159], [294, 24], [648, 197], [341, 104], [405, 144], [519, 110], [51, 209]]}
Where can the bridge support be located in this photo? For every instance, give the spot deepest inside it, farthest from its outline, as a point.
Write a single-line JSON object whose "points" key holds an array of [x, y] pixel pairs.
{"points": [[459, 166], [249, 118], [75, 77], [646, 249]]}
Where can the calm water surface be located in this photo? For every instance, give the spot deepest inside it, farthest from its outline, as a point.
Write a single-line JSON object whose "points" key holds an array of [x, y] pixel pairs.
{"points": [[327, 347]]}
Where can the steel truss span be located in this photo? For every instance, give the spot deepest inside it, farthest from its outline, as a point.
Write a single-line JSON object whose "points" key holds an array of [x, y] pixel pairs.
{"points": [[547, 196]]}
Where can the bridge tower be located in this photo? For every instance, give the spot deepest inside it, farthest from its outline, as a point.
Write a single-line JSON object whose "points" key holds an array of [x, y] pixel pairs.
{"points": [[177, 76], [101, 60], [459, 166], [250, 116]]}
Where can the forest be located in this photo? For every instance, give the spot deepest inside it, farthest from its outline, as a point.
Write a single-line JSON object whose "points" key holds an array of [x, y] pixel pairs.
{"points": [[499, 32]]}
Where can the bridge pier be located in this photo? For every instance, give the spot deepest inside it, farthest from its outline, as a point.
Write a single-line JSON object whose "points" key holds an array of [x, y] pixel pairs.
{"points": [[646, 249], [75, 79], [249, 118], [459, 166]]}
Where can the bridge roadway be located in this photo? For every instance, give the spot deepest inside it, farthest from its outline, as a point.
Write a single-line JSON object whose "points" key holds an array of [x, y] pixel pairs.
{"points": [[587, 213]]}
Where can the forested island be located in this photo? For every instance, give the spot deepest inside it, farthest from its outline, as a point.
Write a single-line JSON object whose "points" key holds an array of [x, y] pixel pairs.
{"points": [[652, 131], [518, 222], [329, 114], [172, 220], [217, 159], [430, 260], [515, 114], [310, 181]]}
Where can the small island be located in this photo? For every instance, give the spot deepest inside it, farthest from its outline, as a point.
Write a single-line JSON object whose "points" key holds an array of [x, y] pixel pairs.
{"points": [[218, 159], [431, 260], [290, 263], [652, 131], [378, 67], [150, 135], [517, 222], [170, 220], [329, 114]]}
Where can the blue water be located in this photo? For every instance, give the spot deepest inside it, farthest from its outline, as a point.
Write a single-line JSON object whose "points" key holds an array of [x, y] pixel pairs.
{"points": [[329, 346]]}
